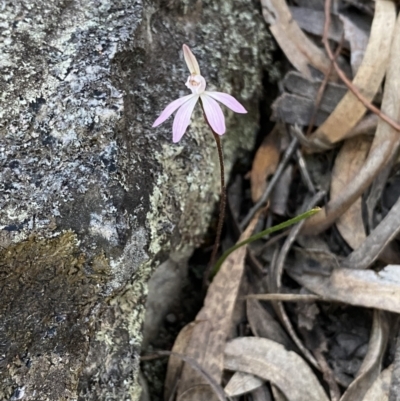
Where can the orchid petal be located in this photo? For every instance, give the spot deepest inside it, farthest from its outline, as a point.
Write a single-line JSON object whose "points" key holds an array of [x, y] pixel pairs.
{"points": [[182, 118], [213, 113], [171, 108], [228, 101], [191, 61]]}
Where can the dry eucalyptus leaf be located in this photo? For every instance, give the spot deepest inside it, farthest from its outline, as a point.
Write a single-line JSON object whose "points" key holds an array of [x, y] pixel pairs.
{"points": [[296, 83], [371, 366], [357, 37], [368, 78], [278, 395], [295, 109], [242, 383], [264, 325], [367, 288], [265, 163], [270, 361], [312, 21], [175, 364], [384, 145], [262, 394], [348, 163], [379, 391], [300, 50], [376, 242], [280, 194], [212, 326]]}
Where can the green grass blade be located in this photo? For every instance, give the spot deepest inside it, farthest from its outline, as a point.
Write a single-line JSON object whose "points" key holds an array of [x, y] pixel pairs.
{"points": [[261, 234]]}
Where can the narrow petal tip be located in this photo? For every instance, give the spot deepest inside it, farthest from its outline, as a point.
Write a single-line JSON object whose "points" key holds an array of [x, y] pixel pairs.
{"points": [[190, 60]]}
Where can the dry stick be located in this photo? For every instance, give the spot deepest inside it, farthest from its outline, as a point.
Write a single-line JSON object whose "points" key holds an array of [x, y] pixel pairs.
{"points": [[288, 154], [343, 77], [321, 90]]}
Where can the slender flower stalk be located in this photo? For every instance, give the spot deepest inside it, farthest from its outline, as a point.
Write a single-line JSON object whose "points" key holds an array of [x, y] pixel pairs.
{"points": [[214, 117]]}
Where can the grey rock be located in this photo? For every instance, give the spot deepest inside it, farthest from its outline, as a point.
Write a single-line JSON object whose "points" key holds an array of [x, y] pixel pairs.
{"points": [[92, 198]]}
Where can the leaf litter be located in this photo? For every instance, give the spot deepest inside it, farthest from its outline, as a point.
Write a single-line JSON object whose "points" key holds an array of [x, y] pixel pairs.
{"points": [[319, 309]]}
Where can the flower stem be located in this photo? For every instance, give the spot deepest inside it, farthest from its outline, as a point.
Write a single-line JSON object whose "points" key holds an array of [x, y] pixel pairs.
{"points": [[222, 203]]}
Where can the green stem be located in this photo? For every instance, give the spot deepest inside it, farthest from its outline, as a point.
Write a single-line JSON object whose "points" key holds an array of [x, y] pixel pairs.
{"points": [[261, 234], [222, 204]]}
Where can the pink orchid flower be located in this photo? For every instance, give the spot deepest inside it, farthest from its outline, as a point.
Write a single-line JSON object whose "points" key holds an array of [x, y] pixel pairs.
{"points": [[185, 105]]}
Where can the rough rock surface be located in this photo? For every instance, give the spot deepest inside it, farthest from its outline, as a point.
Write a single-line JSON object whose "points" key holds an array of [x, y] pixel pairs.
{"points": [[93, 199]]}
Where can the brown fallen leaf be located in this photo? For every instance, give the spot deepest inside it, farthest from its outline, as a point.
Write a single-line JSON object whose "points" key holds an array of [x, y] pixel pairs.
{"points": [[272, 362], [348, 163], [212, 326], [367, 288], [300, 50], [175, 364], [376, 242], [262, 394], [242, 383], [384, 145], [368, 78], [280, 194], [371, 366], [262, 324], [278, 395], [265, 162], [379, 391], [312, 21], [357, 37]]}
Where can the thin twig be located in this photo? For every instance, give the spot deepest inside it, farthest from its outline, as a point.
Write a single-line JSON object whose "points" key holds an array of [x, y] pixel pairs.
{"points": [[343, 77], [321, 90], [288, 154], [304, 172]]}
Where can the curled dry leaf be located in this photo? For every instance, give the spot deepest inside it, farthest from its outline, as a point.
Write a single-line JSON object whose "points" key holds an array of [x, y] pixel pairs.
{"points": [[357, 37], [270, 361], [384, 145], [278, 395], [371, 366], [262, 324], [376, 242], [300, 50], [242, 383], [365, 288], [312, 21], [368, 78], [262, 394], [379, 391], [265, 163], [348, 163], [212, 326], [281, 192], [175, 364]]}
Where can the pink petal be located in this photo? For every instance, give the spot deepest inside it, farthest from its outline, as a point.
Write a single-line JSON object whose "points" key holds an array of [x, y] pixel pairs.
{"points": [[214, 114], [191, 61], [182, 118], [228, 101], [171, 108]]}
